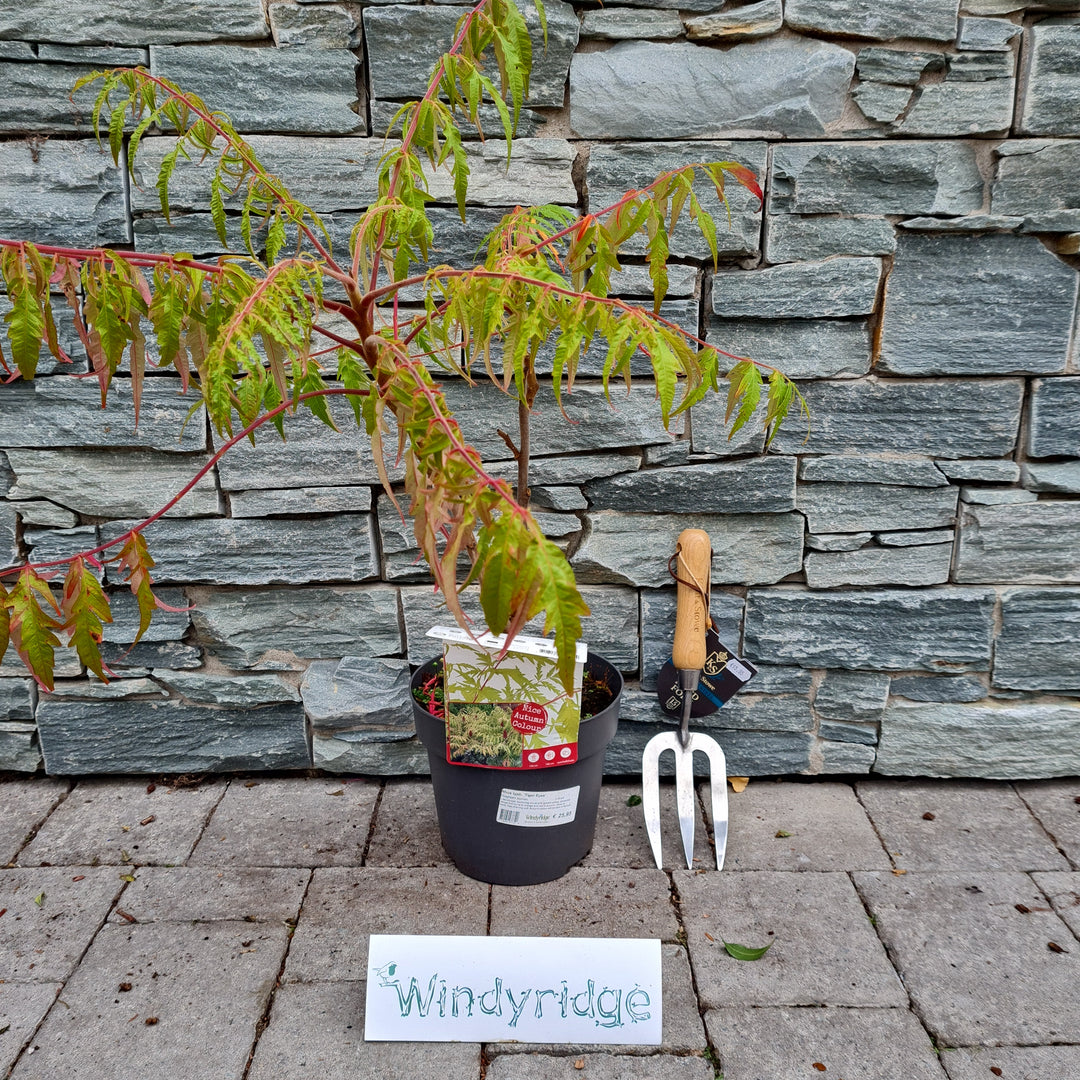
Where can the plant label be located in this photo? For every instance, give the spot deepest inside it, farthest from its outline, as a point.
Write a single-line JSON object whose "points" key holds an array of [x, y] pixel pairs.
{"points": [[505, 707], [513, 989], [722, 677]]}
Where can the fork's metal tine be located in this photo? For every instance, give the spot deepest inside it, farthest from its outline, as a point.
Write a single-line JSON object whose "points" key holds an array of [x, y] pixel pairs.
{"points": [[684, 796], [717, 790], [650, 790]]}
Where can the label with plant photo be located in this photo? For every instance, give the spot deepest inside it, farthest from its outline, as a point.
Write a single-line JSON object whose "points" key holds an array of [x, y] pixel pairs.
{"points": [[507, 708]]}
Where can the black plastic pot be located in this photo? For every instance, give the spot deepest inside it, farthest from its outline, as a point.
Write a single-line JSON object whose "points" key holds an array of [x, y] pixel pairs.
{"points": [[468, 799]]}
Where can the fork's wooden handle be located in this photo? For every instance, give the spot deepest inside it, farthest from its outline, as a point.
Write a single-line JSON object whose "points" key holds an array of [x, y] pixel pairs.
{"points": [[694, 564]]}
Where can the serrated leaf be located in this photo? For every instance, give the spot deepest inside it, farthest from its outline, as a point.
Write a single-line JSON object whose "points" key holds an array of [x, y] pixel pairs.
{"points": [[31, 626], [135, 559], [217, 206], [5, 621], [746, 952], [85, 608]]}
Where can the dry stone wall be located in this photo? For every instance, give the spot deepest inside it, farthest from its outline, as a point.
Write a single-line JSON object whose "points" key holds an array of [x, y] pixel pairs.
{"points": [[906, 576]]}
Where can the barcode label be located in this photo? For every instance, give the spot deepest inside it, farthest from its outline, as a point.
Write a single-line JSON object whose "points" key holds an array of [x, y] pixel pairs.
{"points": [[537, 809]]}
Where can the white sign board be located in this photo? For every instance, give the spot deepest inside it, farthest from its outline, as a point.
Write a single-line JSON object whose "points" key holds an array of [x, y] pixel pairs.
{"points": [[513, 989]]}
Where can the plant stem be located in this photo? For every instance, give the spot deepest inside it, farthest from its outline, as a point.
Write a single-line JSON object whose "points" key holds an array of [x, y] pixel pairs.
{"points": [[521, 492]]}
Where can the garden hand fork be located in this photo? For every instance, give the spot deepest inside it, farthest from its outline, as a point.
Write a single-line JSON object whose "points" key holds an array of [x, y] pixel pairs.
{"points": [[693, 557]]}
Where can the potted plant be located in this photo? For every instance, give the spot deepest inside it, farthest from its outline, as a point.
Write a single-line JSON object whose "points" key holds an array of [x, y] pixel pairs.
{"points": [[249, 335]]}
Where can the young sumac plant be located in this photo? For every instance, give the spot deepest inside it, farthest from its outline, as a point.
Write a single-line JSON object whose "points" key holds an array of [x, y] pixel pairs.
{"points": [[249, 334]]}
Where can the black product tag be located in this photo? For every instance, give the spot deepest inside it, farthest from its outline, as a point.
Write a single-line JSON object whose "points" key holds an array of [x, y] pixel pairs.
{"points": [[722, 677]]}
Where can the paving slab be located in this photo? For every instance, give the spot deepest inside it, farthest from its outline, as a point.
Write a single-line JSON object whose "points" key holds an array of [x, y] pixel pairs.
{"points": [[345, 904], [826, 829], [161, 1000], [406, 829], [958, 825], [621, 840], [26, 803], [289, 821], [1056, 803], [588, 902], [1064, 893], [598, 1067], [317, 1030], [824, 949], [212, 894], [50, 916], [22, 1007], [767, 1044], [979, 970], [1012, 1063], [114, 822], [683, 1031]]}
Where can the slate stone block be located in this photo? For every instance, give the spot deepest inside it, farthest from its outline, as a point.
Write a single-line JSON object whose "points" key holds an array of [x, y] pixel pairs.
{"points": [[37, 98], [920, 177], [871, 630], [61, 192], [18, 50], [342, 754], [1055, 418], [615, 169], [246, 690], [173, 20], [1051, 99], [882, 101], [298, 89], [995, 472], [935, 419], [896, 66], [748, 549], [753, 486], [9, 548], [368, 697], [19, 750], [1036, 179], [786, 87], [991, 305], [832, 288], [984, 35], [17, 699], [907, 472], [121, 687], [932, 19], [740, 24], [962, 107], [575, 469], [1000, 741], [800, 348], [326, 26], [153, 737], [995, 496], [44, 513], [852, 696], [268, 628], [164, 626], [404, 42], [1062, 478], [848, 733], [559, 498], [915, 538], [793, 238], [271, 551], [923, 565], [1036, 648], [1026, 544], [152, 655], [96, 55], [540, 172], [837, 541], [626, 24], [954, 688], [833, 507], [972, 223], [294, 501]]}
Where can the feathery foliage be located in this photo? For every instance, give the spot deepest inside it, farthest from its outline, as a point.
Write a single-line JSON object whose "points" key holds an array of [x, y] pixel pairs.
{"points": [[247, 334]]}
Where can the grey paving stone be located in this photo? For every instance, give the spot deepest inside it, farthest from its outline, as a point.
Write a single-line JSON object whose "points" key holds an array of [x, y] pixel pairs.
{"points": [[204, 986], [600, 1066], [288, 821], [936, 419], [651, 91], [1063, 889], [1014, 1062], [102, 819], [1055, 803], [181, 894], [406, 829], [270, 627], [868, 1043], [826, 828], [589, 902], [824, 950], [344, 905], [50, 919], [317, 1030], [978, 970], [682, 1030], [621, 840], [22, 1007], [27, 804], [1030, 543], [902, 177], [972, 826], [1003, 740]]}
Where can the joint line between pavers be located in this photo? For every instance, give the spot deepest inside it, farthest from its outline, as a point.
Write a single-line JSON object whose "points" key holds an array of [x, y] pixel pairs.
{"points": [[62, 797], [206, 820], [1049, 835], [373, 823], [264, 1020], [877, 831], [683, 940]]}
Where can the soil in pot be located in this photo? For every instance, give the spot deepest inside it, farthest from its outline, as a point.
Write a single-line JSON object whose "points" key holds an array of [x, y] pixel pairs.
{"points": [[520, 827]]}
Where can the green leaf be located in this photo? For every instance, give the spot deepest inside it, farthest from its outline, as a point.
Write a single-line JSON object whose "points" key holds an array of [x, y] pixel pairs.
{"points": [[85, 608], [217, 206], [39, 899], [5, 621], [746, 952], [135, 559], [31, 626], [634, 800], [275, 239]]}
